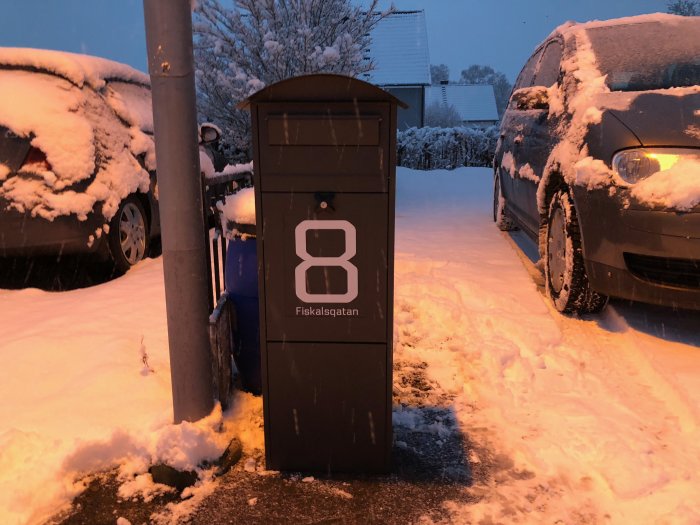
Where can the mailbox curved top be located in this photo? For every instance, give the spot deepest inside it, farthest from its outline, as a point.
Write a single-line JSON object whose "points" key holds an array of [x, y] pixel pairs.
{"points": [[321, 87]]}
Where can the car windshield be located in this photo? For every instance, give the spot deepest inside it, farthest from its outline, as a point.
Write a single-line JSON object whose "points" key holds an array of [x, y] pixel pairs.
{"points": [[642, 57]]}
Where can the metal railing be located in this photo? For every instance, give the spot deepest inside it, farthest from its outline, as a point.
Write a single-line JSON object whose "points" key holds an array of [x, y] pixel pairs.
{"points": [[215, 189], [222, 314]]}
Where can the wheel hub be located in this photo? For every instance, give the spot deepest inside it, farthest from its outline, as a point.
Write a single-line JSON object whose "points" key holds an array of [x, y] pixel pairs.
{"points": [[132, 233], [556, 241]]}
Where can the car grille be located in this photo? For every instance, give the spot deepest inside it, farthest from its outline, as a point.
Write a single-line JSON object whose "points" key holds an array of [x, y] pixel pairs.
{"points": [[684, 273]]}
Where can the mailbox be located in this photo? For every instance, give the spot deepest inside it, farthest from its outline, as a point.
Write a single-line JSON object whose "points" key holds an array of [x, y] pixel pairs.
{"points": [[325, 166]]}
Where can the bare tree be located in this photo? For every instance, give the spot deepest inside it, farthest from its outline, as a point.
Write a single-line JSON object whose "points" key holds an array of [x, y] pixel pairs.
{"points": [[439, 115], [476, 74], [684, 7], [240, 50], [439, 73]]}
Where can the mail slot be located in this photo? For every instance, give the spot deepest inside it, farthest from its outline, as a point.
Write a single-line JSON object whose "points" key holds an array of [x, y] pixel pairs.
{"points": [[303, 149], [325, 179], [330, 130]]}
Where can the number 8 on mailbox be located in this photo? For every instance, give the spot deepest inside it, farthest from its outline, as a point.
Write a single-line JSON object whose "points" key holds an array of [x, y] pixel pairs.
{"points": [[341, 261]]}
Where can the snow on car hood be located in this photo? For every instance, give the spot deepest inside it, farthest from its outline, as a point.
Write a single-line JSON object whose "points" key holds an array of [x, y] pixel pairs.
{"points": [[78, 69], [676, 188]]}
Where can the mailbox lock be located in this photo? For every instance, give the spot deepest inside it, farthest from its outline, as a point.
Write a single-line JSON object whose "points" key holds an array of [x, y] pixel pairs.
{"points": [[325, 200]]}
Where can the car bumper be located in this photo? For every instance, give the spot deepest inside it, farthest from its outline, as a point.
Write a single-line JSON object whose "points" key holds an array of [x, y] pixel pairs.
{"points": [[641, 255], [22, 235]]}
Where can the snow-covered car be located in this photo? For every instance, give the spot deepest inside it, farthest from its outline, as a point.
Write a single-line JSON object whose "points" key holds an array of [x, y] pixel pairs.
{"points": [[598, 161], [77, 157]]}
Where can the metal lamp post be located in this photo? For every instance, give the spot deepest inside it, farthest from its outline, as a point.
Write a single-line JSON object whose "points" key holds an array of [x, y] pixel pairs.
{"points": [[171, 67]]}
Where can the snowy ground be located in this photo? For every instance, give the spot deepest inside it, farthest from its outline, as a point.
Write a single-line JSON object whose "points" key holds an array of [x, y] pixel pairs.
{"points": [[577, 421], [585, 419]]}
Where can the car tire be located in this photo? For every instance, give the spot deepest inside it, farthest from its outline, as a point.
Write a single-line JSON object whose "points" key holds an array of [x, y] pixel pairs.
{"points": [[503, 222], [566, 282], [128, 235]]}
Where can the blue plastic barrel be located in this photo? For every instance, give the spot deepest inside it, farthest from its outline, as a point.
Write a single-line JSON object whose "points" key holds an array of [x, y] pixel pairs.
{"points": [[241, 278]]}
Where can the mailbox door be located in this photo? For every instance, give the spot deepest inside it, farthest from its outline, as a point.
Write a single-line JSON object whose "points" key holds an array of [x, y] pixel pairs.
{"points": [[324, 147], [326, 268], [328, 407]]}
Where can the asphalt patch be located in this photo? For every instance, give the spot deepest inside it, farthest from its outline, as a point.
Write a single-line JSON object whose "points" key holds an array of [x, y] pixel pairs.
{"points": [[430, 467]]}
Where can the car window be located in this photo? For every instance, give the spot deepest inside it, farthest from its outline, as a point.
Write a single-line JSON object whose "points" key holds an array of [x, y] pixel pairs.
{"points": [[655, 55], [548, 68], [132, 103], [528, 72]]}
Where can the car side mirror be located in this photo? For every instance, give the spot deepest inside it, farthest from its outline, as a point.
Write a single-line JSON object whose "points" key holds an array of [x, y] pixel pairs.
{"points": [[208, 133], [534, 97]]}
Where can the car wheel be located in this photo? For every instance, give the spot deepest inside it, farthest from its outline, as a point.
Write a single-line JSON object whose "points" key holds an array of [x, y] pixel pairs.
{"points": [[503, 222], [128, 235], [566, 282]]}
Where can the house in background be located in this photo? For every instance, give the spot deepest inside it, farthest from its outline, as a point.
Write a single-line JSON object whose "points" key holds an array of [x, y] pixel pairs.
{"points": [[475, 103], [399, 49]]}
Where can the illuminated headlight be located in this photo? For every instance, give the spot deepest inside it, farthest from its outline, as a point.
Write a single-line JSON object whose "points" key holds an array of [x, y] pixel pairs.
{"points": [[634, 165]]}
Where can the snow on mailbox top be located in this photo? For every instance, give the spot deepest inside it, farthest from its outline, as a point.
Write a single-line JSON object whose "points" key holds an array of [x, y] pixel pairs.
{"points": [[78, 69], [321, 88]]}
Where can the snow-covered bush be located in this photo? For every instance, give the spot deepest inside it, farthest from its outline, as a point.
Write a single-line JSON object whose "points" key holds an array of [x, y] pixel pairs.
{"points": [[240, 50], [446, 148]]}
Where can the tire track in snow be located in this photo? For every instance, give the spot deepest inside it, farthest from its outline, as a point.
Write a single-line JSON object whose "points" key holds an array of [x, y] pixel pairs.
{"points": [[645, 414], [641, 440], [612, 332], [639, 350]]}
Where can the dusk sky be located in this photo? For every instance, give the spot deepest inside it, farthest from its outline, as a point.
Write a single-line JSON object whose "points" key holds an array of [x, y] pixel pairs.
{"points": [[461, 32]]}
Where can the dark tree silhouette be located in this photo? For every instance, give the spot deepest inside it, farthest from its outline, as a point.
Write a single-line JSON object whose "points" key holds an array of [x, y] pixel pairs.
{"points": [[476, 74]]}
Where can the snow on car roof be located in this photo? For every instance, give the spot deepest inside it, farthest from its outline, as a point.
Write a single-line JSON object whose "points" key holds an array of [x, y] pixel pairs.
{"points": [[78, 69], [571, 27]]}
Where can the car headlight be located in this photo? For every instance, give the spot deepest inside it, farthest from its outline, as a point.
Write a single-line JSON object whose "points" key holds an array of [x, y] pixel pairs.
{"points": [[634, 165]]}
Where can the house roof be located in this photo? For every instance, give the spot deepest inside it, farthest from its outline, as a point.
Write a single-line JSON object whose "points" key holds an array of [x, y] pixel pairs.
{"points": [[399, 49], [474, 102]]}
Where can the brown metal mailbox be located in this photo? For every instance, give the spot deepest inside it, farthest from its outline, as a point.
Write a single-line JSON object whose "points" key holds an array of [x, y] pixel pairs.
{"points": [[325, 168]]}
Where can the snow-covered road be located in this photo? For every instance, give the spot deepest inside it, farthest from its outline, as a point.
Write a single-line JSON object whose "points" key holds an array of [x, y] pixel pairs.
{"points": [[591, 420]]}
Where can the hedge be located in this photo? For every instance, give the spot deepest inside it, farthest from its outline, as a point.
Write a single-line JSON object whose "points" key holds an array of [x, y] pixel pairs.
{"points": [[446, 148]]}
